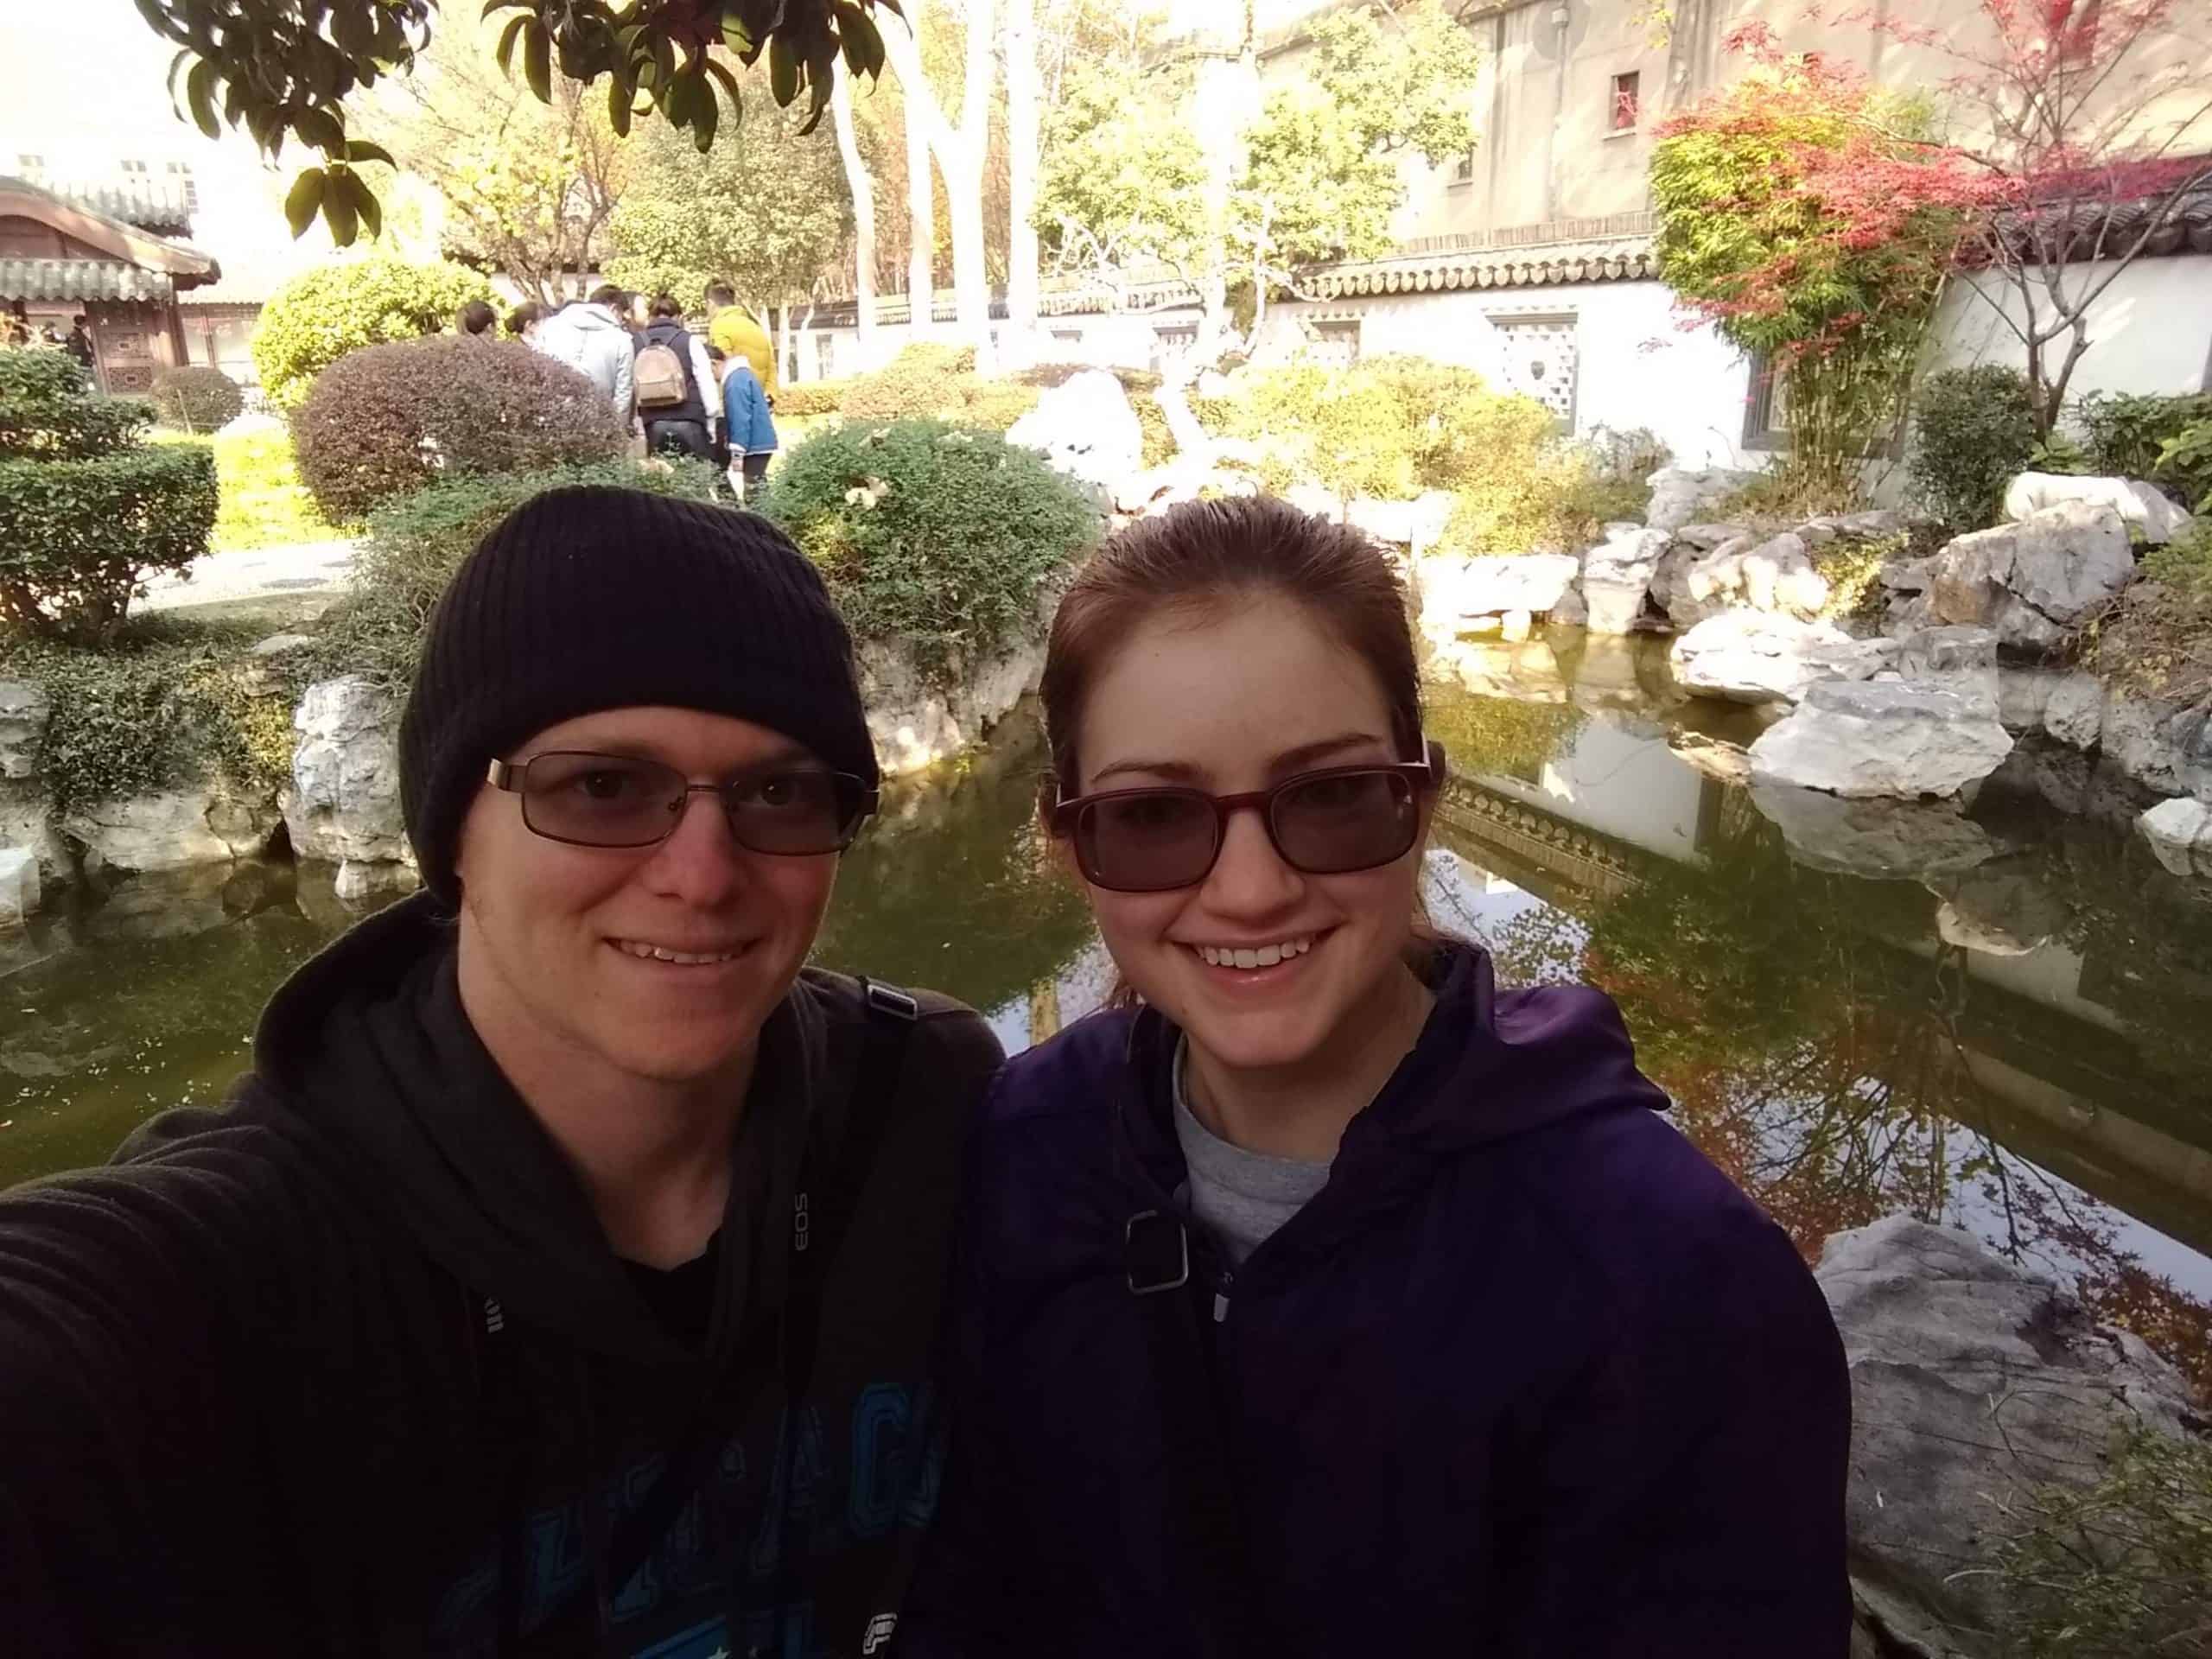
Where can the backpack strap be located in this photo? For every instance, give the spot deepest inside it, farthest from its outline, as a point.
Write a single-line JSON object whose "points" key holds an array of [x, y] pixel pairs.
{"points": [[822, 1206]]}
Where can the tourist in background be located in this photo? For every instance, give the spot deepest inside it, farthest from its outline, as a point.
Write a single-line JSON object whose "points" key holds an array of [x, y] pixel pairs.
{"points": [[79, 343], [477, 320], [751, 429], [1326, 1298], [675, 386], [524, 320], [733, 329], [589, 336]]}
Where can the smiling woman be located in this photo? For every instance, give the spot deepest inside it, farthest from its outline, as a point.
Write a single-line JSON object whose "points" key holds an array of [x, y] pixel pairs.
{"points": [[1260, 1235]]}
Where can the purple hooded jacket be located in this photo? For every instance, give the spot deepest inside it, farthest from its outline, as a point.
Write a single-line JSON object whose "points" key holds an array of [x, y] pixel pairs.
{"points": [[1529, 1377]]}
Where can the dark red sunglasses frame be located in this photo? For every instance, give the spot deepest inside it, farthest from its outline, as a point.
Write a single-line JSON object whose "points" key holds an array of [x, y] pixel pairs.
{"points": [[1060, 815]]}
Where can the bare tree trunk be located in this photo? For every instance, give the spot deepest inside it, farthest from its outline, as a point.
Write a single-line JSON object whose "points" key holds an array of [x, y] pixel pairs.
{"points": [[903, 47], [960, 155], [1024, 141], [863, 191]]}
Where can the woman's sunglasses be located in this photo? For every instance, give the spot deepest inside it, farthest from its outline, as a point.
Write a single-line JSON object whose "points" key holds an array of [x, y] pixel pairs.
{"points": [[620, 800], [1327, 822]]}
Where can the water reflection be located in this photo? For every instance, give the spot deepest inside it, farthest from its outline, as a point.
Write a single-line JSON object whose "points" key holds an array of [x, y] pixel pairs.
{"points": [[2001, 1018]]}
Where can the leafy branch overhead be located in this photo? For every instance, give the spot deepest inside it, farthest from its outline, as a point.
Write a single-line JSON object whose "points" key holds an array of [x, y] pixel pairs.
{"points": [[286, 69]]}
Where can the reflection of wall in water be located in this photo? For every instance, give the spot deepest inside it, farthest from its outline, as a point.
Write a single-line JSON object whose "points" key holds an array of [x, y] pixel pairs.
{"points": [[1621, 782]]}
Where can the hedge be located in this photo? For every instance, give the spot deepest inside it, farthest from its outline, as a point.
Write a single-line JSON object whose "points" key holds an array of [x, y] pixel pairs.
{"points": [[384, 423], [331, 309], [197, 398]]}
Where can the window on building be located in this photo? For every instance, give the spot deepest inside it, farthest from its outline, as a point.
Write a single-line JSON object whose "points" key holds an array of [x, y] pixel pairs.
{"points": [[1628, 101], [1463, 170], [1542, 357], [30, 166], [1335, 342], [137, 169], [1766, 410], [181, 171]]}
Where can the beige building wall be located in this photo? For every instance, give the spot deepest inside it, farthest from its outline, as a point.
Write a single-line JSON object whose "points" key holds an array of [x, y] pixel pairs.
{"points": [[1549, 149]]}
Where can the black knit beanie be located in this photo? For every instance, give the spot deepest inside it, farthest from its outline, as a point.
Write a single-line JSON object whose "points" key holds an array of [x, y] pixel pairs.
{"points": [[591, 598]]}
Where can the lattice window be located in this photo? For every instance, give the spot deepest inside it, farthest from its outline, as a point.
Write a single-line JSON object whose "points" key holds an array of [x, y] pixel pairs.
{"points": [[1542, 359], [1627, 103], [1335, 342]]}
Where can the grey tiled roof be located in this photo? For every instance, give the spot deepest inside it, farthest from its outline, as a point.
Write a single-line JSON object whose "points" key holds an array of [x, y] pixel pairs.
{"points": [[80, 279]]}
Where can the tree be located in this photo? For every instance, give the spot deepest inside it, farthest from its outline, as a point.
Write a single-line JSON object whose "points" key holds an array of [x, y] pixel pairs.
{"points": [[960, 151], [331, 309], [288, 68], [1803, 213], [1024, 145], [528, 187], [1153, 163], [2087, 112], [861, 186], [769, 216]]}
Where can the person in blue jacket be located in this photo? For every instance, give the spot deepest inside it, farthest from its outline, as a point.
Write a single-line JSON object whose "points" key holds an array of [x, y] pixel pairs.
{"points": [[747, 426], [1323, 1297]]}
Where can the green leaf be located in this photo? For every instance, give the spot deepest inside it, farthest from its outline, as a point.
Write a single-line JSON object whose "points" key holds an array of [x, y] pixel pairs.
{"points": [[782, 70], [338, 211], [305, 201], [620, 94], [322, 129], [728, 84], [365, 199], [491, 6], [736, 36], [362, 150], [537, 62], [503, 54], [708, 114], [199, 89]]}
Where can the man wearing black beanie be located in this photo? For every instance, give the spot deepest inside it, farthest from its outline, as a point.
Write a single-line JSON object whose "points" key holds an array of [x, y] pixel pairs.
{"points": [[563, 1278]]}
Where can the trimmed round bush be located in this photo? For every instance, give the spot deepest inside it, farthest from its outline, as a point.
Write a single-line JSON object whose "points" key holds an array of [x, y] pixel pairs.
{"points": [[86, 512], [803, 399], [921, 382], [1974, 431], [933, 535], [384, 421], [198, 399], [323, 314]]}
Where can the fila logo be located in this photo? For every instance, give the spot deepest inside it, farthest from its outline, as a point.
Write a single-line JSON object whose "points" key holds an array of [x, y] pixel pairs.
{"points": [[879, 1631], [798, 1222]]}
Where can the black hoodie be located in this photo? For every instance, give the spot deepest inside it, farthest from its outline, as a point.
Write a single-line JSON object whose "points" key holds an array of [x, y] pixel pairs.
{"points": [[348, 1366]]}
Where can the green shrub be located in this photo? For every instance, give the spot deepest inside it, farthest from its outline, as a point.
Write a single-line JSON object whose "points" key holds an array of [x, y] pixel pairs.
{"points": [[384, 421], [1974, 431], [197, 398], [803, 399], [86, 513], [415, 544], [2184, 564], [2123, 433], [995, 405], [933, 535], [918, 383], [2184, 461], [2118, 1569], [167, 700], [331, 309]]}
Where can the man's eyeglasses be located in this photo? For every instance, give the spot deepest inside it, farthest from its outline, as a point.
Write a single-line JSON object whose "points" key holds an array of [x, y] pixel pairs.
{"points": [[620, 800], [1327, 822]]}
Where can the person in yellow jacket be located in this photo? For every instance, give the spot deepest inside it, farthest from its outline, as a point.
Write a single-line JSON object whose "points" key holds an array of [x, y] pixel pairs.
{"points": [[731, 328]]}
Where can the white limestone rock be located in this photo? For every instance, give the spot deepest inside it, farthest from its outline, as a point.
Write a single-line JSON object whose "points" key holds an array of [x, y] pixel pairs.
{"points": [[2180, 835], [1085, 429], [198, 823], [344, 802], [19, 886], [1617, 576], [1971, 1382], [24, 709], [1773, 575], [1898, 738], [1679, 494], [2033, 581], [1751, 657], [2074, 712], [2145, 507]]}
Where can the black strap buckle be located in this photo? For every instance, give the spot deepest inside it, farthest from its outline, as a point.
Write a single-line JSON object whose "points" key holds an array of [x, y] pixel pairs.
{"points": [[1156, 1253], [884, 999]]}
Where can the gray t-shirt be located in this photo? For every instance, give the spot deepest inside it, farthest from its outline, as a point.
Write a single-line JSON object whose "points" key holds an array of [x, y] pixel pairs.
{"points": [[1242, 1196]]}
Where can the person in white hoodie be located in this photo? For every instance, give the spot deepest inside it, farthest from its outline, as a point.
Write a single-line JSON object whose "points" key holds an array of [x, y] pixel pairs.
{"points": [[591, 338]]}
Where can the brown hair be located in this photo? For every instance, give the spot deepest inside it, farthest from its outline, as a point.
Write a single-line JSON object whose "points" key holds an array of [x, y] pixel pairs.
{"points": [[1203, 553]]}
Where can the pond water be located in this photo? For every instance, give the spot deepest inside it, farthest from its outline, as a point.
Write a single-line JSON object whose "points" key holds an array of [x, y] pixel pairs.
{"points": [[2000, 1017]]}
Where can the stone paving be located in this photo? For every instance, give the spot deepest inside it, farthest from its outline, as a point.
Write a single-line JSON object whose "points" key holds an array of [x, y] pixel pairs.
{"points": [[253, 572]]}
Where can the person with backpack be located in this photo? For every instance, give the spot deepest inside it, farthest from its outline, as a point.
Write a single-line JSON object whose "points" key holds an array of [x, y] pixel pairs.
{"points": [[591, 338], [751, 429], [675, 386], [563, 1279], [1322, 1296]]}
